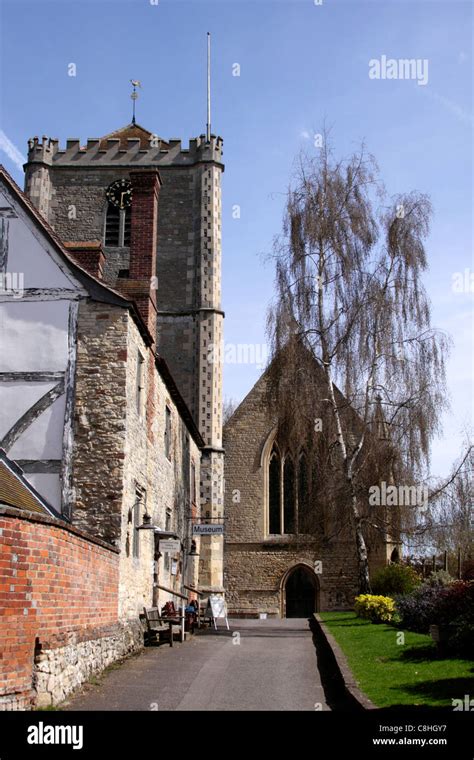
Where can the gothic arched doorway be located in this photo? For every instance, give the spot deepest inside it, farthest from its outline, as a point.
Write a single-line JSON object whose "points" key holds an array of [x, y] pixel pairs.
{"points": [[300, 593]]}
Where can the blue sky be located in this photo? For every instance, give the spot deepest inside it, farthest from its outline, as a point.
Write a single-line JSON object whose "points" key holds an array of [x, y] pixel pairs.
{"points": [[300, 63]]}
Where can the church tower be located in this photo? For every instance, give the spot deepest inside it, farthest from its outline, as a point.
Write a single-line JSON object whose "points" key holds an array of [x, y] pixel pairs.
{"points": [[86, 194]]}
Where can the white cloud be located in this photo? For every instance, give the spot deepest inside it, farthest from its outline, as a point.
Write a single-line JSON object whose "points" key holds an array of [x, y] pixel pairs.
{"points": [[305, 134], [11, 151]]}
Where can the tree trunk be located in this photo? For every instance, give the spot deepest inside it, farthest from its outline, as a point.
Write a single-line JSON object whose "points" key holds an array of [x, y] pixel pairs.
{"points": [[362, 556]]}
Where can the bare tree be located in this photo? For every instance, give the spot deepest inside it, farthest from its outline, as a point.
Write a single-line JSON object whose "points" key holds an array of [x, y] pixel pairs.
{"points": [[348, 278], [229, 405], [449, 523]]}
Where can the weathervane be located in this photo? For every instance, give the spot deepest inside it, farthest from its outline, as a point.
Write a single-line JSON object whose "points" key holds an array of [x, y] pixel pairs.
{"points": [[135, 83]]}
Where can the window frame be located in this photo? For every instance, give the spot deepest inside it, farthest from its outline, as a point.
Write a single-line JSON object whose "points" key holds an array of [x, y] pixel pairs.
{"points": [[275, 456], [140, 501], [140, 384], [283, 458], [192, 485], [168, 432]]}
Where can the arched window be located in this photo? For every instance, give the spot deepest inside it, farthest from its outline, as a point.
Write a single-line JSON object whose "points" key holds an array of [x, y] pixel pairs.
{"points": [[287, 484], [289, 495], [117, 226], [303, 495], [274, 492]]}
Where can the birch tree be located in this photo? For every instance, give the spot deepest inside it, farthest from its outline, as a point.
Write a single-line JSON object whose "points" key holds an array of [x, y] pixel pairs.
{"points": [[349, 263]]}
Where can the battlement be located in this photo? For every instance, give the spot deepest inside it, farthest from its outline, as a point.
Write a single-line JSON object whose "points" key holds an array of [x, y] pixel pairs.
{"points": [[42, 151], [131, 145]]}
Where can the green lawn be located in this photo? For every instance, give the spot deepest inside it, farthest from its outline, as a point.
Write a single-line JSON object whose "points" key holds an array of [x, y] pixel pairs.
{"points": [[394, 674]]}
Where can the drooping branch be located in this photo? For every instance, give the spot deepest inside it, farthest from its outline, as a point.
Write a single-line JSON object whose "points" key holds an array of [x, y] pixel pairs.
{"points": [[351, 312]]}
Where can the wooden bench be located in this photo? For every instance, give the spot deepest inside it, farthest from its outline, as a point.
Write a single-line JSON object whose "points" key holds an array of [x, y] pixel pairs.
{"points": [[203, 618], [157, 627]]}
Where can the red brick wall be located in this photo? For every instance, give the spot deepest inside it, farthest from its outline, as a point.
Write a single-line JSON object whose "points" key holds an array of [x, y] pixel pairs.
{"points": [[91, 260], [55, 585], [139, 286]]}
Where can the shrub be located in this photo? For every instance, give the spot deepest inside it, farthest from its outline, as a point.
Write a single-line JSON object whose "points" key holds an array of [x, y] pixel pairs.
{"points": [[441, 605], [456, 601], [439, 578], [462, 641], [395, 579], [378, 609], [417, 611], [468, 570]]}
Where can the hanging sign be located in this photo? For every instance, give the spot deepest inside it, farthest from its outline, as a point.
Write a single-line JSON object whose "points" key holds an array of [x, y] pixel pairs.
{"points": [[208, 530]]}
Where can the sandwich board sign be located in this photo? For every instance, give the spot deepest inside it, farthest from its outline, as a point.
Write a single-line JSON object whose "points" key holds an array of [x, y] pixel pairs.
{"points": [[217, 608]]}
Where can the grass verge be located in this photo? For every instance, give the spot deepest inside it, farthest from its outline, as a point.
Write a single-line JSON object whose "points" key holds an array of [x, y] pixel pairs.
{"points": [[392, 673]]}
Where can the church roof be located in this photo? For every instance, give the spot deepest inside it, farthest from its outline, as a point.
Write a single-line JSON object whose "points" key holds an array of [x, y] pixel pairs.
{"points": [[131, 132]]}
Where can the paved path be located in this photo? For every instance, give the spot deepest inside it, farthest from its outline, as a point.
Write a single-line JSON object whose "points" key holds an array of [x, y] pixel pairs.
{"points": [[274, 667]]}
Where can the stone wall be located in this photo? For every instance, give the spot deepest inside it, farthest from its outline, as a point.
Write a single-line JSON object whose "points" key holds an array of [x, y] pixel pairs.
{"points": [[57, 672], [255, 575], [119, 454], [100, 419], [165, 481], [59, 598], [256, 565]]}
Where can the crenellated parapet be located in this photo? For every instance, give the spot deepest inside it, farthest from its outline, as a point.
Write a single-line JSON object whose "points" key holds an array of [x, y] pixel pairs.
{"points": [[42, 151], [121, 149]]}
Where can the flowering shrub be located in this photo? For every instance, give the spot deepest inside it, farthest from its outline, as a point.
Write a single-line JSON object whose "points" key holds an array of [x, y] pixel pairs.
{"points": [[417, 611], [395, 579], [441, 605], [378, 609], [456, 601], [439, 578]]}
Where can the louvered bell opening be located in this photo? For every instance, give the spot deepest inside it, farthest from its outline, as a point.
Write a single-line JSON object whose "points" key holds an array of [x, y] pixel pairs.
{"points": [[112, 226], [127, 226]]}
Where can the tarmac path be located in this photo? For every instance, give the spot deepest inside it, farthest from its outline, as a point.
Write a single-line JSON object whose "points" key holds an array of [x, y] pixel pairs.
{"points": [[258, 665]]}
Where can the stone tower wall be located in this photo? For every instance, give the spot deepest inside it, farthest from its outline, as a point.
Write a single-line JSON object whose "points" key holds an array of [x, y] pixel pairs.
{"points": [[69, 186]]}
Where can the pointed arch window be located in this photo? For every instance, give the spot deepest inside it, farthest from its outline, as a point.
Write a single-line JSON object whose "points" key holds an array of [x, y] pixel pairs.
{"points": [[289, 495], [303, 496], [274, 492]]}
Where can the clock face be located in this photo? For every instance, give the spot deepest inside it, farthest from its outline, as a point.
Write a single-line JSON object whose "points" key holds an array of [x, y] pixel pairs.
{"points": [[120, 193]]}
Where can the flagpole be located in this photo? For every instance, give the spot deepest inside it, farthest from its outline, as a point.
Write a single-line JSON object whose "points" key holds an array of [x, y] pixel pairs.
{"points": [[208, 131]]}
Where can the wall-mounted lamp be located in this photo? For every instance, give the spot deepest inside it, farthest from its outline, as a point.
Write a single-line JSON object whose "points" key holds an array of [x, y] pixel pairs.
{"points": [[193, 551]]}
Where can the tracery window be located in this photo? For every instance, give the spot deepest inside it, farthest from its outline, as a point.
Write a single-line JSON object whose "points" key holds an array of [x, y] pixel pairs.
{"points": [[288, 497]]}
